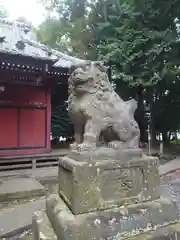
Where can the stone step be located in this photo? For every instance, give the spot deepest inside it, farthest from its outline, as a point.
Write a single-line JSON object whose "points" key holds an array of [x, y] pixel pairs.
{"points": [[15, 219], [20, 187]]}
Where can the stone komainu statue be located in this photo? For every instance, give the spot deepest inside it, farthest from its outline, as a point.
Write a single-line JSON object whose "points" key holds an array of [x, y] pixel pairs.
{"points": [[99, 115]]}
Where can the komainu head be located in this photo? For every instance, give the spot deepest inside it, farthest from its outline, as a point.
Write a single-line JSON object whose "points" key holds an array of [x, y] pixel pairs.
{"points": [[88, 78]]}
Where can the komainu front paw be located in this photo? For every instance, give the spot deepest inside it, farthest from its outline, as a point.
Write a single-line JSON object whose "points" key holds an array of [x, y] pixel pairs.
{"points": [[73, 146], [86, 147], [115, 144]]}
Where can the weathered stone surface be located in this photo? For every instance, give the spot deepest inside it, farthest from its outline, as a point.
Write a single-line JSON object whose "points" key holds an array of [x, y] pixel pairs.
{"points": [[17, 218], [99, 115], [19, 187], [42, 227], [88, 186], [171, 232], [107, 188], [115, 223], [105, 153]]}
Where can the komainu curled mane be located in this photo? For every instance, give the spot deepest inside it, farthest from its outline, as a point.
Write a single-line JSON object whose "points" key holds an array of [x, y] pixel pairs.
{"points": [[98, 113]]}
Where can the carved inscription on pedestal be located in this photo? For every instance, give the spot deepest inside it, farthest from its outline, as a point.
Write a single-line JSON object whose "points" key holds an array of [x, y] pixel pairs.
{"points": [[121, 183]]}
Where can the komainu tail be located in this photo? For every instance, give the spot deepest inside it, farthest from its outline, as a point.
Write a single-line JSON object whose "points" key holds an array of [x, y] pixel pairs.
{"points": [[131, 106]]}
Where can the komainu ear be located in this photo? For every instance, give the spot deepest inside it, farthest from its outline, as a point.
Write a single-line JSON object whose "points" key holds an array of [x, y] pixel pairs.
{"points": [[71, 69], [69, 80], [80, 65], [101, 66]]}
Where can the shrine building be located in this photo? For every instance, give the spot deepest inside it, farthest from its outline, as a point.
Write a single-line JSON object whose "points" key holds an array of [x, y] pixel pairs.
{"points": [[28, 72]]}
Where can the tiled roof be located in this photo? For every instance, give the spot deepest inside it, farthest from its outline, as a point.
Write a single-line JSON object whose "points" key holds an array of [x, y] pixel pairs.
{"points": [[66, 60], [18, 38]]}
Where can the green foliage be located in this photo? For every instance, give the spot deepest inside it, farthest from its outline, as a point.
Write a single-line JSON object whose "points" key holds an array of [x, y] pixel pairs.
{"points": [[69, 31], [175, 142], [60, 122], [139, 39], [130, 42], [49, 33]]}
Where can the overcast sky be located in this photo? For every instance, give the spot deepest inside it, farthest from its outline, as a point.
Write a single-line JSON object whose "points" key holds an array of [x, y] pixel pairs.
{"points": [[30, 9]]}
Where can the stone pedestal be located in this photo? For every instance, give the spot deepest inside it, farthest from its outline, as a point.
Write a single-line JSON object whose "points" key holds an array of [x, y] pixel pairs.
{"points": [[98, 185], [107, 199]]}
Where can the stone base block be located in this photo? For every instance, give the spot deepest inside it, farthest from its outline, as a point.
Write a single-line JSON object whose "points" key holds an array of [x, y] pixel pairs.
{"points": [[97, 185], [113, 224], [42, 227], [20, 187], [171, 232]]}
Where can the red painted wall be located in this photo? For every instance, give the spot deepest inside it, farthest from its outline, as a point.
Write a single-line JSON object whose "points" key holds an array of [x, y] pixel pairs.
{"points": [[25, 120]]}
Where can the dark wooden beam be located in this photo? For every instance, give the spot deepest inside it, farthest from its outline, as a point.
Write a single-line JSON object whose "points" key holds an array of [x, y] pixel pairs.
{"points": [[31, 79], [12, 69], [25, 60], [22, 83]]}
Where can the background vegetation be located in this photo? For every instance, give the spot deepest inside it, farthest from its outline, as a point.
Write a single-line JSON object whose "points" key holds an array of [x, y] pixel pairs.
{"points": [[139, 39]]}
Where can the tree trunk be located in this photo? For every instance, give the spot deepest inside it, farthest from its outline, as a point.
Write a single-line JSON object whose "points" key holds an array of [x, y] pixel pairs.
{"points": [[140, 115], [153, 134], [165, 137]]}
